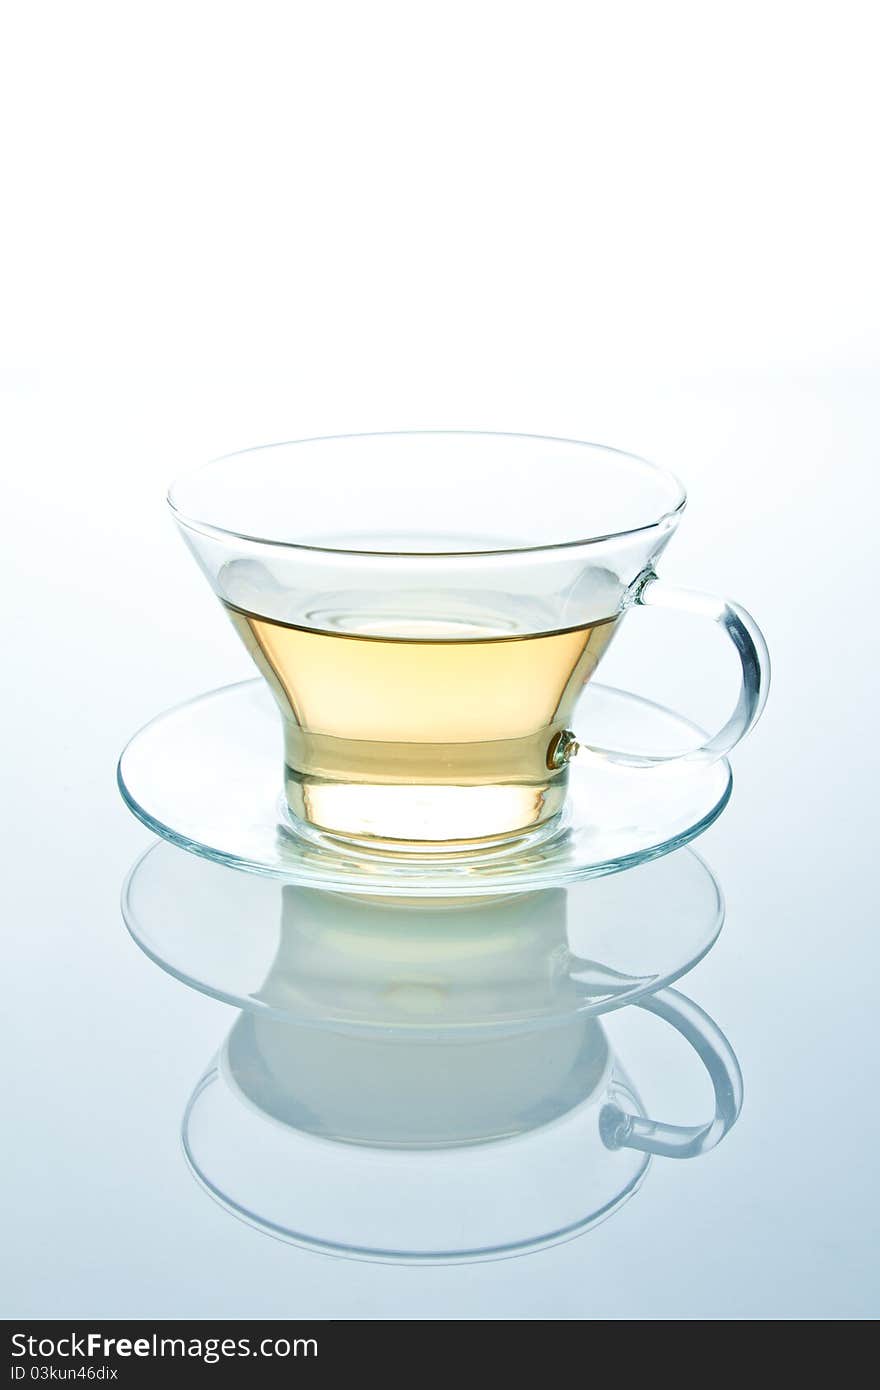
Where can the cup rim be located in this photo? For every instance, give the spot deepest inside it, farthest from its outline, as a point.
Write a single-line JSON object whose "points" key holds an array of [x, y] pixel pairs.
{"points": [[199, 524]]}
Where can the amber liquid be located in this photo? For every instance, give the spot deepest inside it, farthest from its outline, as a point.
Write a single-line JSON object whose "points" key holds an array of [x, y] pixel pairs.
{"points": [[438, 737]]}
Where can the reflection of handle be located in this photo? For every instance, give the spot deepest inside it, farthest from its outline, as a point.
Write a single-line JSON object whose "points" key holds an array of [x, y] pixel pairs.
{"points": [[751, 649], [620, 1130]]}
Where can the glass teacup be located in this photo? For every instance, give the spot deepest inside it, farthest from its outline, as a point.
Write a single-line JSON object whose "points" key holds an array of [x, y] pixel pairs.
{"points": [[427, 608]]}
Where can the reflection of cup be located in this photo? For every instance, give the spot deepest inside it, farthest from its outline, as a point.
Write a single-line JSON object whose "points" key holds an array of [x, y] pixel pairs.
{"points": [[427, 657], [447, 980], [430, 1081], [413, 1092], [390, 1143]]}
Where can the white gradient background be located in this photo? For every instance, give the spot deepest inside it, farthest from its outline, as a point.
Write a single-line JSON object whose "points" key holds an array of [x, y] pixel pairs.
{"points": [[653, 228]]}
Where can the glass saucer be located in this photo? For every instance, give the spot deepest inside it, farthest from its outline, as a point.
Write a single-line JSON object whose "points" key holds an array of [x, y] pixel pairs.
{"points": [[206, 776], [449, 968]]}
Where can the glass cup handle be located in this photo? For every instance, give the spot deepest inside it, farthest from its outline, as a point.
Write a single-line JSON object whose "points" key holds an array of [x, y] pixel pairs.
{"points": [[621, 1130], [751, 649]]}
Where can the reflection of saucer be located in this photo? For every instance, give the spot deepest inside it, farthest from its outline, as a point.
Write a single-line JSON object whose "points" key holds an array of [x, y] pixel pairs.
{"points": [[448, 967], [401, 1148], [206, 776]]}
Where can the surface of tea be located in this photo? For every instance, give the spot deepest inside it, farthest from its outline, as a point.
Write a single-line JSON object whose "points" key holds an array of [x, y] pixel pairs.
{"points": [[441, 734]]}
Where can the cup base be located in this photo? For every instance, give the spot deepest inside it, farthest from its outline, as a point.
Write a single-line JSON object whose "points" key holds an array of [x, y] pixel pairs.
{"points": [[464, 848], [462, 797]]}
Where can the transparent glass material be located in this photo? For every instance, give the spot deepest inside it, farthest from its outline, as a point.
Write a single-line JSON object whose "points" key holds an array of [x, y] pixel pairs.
{"points": [[390, 1149], [205, 776], [429, 1082], [449, 968], [427, 609]]}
